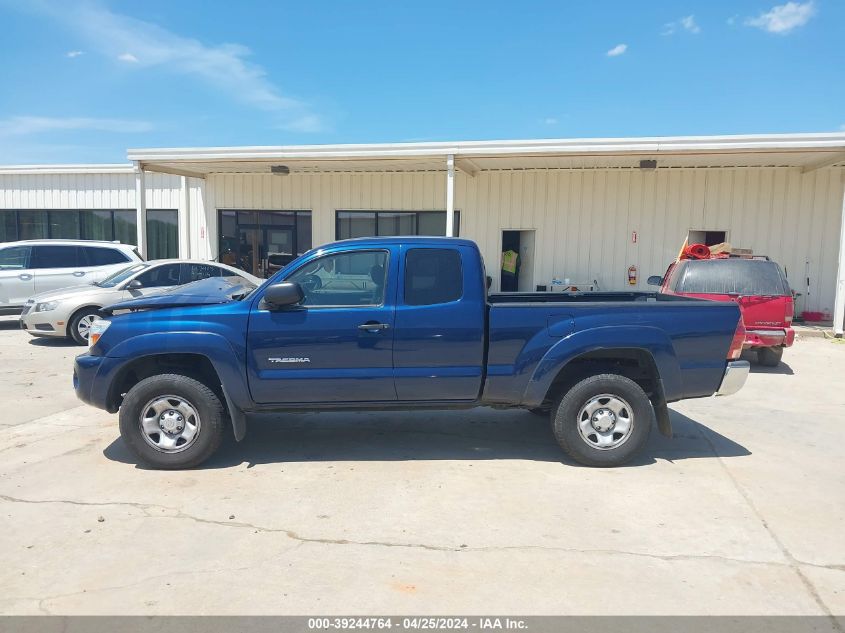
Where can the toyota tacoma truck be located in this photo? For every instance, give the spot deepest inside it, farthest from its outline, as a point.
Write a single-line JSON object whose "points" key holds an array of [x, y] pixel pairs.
{"points": [[402, 323]]}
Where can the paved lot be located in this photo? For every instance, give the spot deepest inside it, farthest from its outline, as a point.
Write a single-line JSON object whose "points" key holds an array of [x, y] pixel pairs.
{"points": [[459, 512]]}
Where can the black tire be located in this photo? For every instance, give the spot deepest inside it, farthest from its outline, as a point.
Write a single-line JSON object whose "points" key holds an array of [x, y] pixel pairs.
{"points": [[73, 324], [769, 356], [565, 420], [209, 409]]}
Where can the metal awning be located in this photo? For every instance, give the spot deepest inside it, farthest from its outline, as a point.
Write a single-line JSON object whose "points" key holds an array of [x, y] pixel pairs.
{"points": [[805, 151]]}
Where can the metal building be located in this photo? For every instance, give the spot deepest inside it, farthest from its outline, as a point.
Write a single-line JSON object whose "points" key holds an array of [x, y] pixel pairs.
{"points": [[605, 212]]}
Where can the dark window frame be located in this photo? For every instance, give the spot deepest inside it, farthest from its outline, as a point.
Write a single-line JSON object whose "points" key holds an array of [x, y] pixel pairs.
{"points": [[258, 225], [79, 223], [377, 212]]}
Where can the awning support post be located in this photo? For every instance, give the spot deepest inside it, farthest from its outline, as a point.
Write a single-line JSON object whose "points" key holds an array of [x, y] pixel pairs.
{"points": [[450, 195], [141, 207], [839, 302], [184, 219]]}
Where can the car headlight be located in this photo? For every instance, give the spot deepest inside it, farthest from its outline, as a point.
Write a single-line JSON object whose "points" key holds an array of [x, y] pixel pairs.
{"points": [[46, 306], [96, 331]]}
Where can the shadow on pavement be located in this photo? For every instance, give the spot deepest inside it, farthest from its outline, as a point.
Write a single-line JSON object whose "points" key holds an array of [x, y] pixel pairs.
{"points": [[478, 434], [49, 341], [757, 368]]}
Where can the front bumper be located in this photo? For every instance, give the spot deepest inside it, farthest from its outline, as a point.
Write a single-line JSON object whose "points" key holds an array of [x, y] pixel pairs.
{"points": [[41, 323], [91, 380], [735, 376]]}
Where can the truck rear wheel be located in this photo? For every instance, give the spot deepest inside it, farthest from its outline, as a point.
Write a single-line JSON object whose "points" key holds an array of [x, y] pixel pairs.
{"points": [[171, 421], [603, 420], [769, 356]]}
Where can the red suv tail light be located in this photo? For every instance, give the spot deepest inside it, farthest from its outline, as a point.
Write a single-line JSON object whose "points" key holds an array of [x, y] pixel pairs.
{"points": [[735, 350], [790, 310]]}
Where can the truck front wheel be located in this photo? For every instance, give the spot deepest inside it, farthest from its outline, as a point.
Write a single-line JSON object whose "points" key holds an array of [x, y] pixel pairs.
{"points": [[603, 420], [171, 421]]}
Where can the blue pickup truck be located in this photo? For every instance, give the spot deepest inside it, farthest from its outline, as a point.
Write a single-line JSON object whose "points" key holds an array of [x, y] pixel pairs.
{"points": [[401, 323]]}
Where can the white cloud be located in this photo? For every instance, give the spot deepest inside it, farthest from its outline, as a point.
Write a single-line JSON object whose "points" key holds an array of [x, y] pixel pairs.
{"points": [[690, 25], [617, 50], [73, 54], [223, 67], [686, 23], [306, 123], [550, 120], [783, 18], [26, 125]]}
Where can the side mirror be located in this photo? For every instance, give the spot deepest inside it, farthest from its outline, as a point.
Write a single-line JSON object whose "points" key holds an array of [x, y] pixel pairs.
{"points": [[134, 285], [282, 294], [655, 280]]}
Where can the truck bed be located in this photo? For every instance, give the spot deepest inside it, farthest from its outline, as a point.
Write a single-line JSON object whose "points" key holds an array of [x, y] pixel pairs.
{"points": [[689, 337]]}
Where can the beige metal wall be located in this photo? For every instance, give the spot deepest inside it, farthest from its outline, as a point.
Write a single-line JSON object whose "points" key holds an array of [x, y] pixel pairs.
{"points": [[585, 218], [85, 191]]}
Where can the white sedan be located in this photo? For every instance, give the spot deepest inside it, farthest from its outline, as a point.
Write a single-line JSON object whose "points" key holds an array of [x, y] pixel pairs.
{"points": [[69, 312]]}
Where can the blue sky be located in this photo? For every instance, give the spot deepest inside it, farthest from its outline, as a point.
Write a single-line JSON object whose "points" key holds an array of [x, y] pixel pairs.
{"points": [[84, 81]]}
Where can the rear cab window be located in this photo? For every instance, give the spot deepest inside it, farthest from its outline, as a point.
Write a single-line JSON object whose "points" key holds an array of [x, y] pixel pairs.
{"points": [[432, 276], [729, 276]]}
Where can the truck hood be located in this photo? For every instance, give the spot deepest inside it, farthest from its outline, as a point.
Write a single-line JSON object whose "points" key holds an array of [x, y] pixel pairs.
{"points": [[211, 291]]}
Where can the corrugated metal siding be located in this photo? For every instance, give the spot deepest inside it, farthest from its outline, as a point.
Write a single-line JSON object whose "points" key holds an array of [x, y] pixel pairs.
{"points": [[583, 218], [85, 191]]}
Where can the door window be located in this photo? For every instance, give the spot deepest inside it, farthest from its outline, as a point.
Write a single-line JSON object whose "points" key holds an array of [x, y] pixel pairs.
{"points": [[345, 279], [432, 275], [195, 272], [14, 258], [56, 257], [159, 276]]}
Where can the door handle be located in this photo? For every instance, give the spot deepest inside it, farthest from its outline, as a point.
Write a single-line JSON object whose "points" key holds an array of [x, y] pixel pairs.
{"points": [[79, 273], [25, 277], [373, 326]]}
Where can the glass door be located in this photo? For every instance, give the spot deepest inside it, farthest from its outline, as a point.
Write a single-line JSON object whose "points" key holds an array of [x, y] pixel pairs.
{"points": [[262, 242]]}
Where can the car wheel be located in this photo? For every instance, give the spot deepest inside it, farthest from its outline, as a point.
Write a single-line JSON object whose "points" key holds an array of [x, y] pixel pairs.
{"points": [[769, 356], [80, 323], [603, 420], [171, 421]]}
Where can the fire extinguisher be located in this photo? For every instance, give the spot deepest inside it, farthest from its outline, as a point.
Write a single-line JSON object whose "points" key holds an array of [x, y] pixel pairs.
{"points": [[632, 275]]}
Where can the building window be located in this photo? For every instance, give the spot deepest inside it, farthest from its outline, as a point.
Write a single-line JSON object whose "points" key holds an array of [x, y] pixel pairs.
{"points": [[162, 234], [350, 224], [262, 242], [93, 224]]}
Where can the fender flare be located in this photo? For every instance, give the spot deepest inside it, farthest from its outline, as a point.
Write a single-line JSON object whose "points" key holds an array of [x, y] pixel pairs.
{"points": [[651, 340], [225, 360]]}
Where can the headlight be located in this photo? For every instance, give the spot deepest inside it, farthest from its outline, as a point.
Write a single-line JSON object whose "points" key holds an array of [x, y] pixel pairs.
{"points": [[46, 306], [96, 331]]}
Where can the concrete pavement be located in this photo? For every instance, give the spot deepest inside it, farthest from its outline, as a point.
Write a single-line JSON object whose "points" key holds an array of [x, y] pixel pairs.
{"points": [[471, 512]]}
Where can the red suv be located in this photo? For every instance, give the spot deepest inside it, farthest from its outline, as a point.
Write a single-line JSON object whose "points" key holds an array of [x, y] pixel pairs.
{"points": [[757, 284]]}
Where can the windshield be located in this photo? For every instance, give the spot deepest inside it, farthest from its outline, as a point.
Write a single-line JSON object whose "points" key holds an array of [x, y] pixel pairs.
{"points": [[729, 276], [121, 275]]}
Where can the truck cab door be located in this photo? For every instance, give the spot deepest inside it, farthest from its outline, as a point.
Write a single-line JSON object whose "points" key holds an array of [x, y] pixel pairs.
{"points": [[337, 345], [440, 322]]}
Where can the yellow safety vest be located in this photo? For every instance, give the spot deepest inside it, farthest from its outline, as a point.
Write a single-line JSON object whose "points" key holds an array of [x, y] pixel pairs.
{"points": [[509, 262]]}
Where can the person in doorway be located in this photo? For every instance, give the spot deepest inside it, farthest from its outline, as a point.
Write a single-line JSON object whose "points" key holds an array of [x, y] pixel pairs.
{"points": [[510, 270]]}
